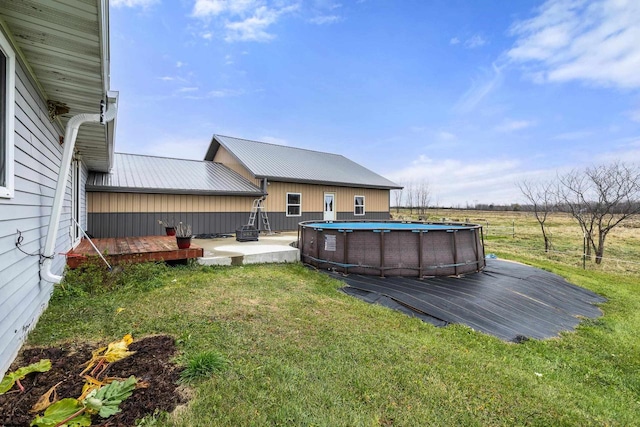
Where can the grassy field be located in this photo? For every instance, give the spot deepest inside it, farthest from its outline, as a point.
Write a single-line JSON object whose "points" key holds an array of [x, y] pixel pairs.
{"points": [[300, 352]]}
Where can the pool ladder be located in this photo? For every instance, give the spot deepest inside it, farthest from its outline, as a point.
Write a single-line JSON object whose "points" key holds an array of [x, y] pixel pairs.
{"points": [[258, 209]]}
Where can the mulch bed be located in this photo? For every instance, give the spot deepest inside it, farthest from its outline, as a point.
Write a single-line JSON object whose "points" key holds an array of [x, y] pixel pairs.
{"points": [[151, 363]]}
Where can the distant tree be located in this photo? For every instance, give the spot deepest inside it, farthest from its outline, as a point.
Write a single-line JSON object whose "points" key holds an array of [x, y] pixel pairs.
{"points": [[397, 198], [600, 198], [423, 196], [410, 198], [542, 199]]}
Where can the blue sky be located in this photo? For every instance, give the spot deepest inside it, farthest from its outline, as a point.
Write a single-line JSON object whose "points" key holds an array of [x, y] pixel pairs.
{"points": [[470, 96]]}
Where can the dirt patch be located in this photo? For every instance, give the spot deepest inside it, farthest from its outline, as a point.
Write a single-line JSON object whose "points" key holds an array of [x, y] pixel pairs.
{"points": [[151, 363]]}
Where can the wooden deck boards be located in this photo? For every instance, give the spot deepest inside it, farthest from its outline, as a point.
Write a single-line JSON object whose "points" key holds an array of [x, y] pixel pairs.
{"points": [[132, 249]]}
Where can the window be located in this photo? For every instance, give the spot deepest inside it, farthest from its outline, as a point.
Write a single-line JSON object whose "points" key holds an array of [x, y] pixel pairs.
{"points": [[7, 90], [358, 205], [294, 204]]}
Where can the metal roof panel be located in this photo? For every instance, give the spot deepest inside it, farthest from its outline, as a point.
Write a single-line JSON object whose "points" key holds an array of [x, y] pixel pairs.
{"points": [[139, 173], [283, 163]]}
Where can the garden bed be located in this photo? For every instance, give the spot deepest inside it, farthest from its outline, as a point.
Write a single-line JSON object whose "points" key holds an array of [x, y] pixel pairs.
{"points": [[152, 363]]}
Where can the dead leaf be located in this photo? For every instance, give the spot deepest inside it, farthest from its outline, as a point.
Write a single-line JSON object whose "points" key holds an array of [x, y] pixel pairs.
{"points": [[115, 351], [45, 400]]}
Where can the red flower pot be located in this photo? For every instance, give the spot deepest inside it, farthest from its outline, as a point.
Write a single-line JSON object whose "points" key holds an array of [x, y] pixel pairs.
{"points": [[183, 242], [171, 231]]}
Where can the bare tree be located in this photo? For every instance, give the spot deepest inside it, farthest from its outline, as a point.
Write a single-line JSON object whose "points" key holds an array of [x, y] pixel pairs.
{"points": [[410, 196], [423, 196], [541, 196], [397, 197], [600, 198]]}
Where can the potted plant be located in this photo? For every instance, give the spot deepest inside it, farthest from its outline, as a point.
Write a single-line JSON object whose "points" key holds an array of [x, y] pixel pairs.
{"points": [[169, 226], [183, 236]]}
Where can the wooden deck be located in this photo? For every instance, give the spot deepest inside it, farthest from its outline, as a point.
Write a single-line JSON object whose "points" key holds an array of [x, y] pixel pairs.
{"points": [[131, 249]]}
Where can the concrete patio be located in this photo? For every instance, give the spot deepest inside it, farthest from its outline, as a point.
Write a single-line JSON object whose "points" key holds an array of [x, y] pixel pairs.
{"points": [[275, 248]]}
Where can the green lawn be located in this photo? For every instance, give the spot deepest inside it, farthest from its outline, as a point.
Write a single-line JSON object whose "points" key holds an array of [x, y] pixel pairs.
{"points": [[300, 352]]}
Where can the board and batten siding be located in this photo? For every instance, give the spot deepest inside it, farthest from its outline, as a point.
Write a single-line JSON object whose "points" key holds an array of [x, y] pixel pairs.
{"points": [[137, 214], [376, 203], [37, 152], [223, 156], [313, 197]]}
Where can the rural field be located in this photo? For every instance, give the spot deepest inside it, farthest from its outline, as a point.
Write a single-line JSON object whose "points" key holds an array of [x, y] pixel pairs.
{"points": [[294, 350]]}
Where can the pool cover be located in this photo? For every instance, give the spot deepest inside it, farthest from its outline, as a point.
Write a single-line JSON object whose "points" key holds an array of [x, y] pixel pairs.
{"points": [[511, 301]]}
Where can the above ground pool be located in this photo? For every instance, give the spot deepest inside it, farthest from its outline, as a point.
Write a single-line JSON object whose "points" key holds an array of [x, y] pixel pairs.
{"points": [[390, 248]]}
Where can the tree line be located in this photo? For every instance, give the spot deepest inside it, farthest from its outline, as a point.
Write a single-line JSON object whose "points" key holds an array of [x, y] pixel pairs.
{"points": [[415, 196], [599, 198]]}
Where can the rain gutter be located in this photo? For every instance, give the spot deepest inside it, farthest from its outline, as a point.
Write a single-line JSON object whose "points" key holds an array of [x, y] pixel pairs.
{"points": [[70, 135]]}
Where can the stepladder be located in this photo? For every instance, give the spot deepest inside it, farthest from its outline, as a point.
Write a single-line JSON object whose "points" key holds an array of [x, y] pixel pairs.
{"points": [[258, 211]]}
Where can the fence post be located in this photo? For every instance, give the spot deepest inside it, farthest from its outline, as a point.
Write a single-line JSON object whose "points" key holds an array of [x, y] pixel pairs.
{"points": [[513, 234]]}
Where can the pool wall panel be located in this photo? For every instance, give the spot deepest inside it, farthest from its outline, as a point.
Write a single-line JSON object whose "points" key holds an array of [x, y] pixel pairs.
{"points": [[454, 249]]}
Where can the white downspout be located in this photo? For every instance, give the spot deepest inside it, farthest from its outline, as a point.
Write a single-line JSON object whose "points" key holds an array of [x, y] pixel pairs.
{"points": [[70, 135]]}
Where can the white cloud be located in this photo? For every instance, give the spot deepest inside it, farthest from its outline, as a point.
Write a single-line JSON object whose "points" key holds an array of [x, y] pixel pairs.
{"points": [[454, 182], [446, 136], [514, 125], [472, 42], [224, 93], [325, 19], [133, 3], [479, 90], [209, 8], [475, 41], [253, 28], [187, 89], [634, 115], [240, 20], [591, 41], [572, 136]]}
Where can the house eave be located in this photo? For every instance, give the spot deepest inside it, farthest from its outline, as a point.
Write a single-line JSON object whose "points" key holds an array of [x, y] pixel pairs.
{"points": [[328, 183], [64, 49], [108, 189]]}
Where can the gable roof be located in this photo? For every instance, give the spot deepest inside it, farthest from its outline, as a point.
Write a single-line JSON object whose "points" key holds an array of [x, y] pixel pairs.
{"points": [[134, 173], [290, 164], [66, 48]]}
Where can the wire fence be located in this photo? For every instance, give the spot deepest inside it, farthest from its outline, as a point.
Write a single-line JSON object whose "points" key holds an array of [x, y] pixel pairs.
{"points": [[510, 231]]}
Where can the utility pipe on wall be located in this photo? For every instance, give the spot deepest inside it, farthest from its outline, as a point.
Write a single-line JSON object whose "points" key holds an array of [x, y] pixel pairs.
{"points": [[70, 135]]}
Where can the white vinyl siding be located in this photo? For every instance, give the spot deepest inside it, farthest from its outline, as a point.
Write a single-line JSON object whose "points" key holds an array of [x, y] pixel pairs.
{"points": [[294, 204], [358, 205], [7, 107]]}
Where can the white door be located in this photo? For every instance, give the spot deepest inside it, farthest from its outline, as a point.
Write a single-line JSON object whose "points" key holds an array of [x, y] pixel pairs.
{"points": [[329, 207]]}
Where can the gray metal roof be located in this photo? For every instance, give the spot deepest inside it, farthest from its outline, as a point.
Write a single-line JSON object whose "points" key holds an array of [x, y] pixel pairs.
{"points": [[136, 173], [66, 45], [290, 164]]}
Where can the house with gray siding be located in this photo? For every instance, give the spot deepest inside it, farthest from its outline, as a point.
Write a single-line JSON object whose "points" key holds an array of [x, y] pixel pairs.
{"points": [[54, 86]]}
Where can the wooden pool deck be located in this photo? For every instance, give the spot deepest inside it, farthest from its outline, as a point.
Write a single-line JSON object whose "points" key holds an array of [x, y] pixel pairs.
{"points": [[131, 249]]}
